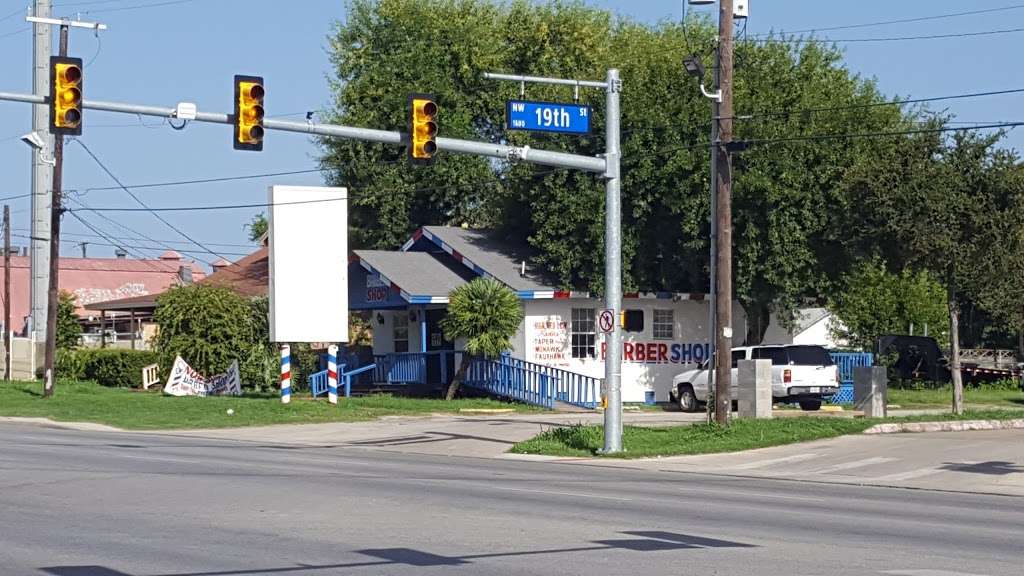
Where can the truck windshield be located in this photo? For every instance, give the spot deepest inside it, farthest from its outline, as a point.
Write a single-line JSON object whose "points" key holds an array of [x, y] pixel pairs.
{"points": [[808, 356]]}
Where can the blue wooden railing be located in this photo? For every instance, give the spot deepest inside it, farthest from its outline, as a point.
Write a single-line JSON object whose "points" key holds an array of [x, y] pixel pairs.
{"points": [[318, 381], [533, 383], [568, 387], [411, 367], [505, 376], [502, 379], [847, 361]]}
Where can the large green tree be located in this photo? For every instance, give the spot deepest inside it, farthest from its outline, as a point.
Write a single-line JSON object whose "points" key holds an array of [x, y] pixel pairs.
{"points": [[874, 302], [941, 208], [789, 207]]}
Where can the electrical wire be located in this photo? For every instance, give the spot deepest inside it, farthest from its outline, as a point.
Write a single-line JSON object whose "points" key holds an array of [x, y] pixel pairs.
{"points": [[901, 21], [123, 246], [18, 31], [140, 202], [139, 239], [12, 14], [825, 40]]}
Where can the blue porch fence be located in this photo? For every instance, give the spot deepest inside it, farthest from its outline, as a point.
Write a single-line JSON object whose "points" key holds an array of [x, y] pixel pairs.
{"points": [[506, 377], [847, 361], [318, 381]]}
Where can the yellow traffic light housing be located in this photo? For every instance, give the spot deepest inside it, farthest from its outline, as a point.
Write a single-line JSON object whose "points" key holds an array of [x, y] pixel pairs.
{"points": [[249, 93], [65, 95], [422, 128]]}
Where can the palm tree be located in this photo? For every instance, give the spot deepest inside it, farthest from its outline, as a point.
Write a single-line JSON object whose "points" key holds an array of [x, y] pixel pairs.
{"points": [[485, 313]]}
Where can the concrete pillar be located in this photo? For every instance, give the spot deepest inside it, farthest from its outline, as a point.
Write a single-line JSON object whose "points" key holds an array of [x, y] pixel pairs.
{"points": [[870, 390], [754, 382]]}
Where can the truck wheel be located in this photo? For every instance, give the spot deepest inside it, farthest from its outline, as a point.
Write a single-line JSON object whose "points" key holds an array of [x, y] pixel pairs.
{"points": [[810, 405], [686, 399]]}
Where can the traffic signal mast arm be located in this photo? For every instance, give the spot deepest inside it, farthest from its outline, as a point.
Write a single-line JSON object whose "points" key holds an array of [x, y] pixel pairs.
{"points": [[516, 153]]}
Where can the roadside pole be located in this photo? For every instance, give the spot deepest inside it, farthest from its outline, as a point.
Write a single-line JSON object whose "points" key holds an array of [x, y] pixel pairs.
{"points": [[723, 289], [613, 266], [7, 292], [712, 240], [41, 177], [612, 238], [52, 294]]}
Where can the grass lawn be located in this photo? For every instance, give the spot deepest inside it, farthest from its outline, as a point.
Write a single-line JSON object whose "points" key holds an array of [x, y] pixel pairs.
{"points": [[743, 434], [943, 397], [134, 409]]}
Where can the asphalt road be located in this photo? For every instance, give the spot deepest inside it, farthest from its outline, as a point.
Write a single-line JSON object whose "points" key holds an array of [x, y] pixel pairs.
{"points": [[76, 503]]}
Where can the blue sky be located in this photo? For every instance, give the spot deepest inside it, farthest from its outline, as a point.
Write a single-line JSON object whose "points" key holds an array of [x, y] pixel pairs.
{"points": [[160, 52]]}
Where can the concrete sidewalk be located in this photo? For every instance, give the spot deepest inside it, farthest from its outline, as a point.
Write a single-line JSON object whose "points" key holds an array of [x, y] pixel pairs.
{"points": [[990, 462], [487, 436]]}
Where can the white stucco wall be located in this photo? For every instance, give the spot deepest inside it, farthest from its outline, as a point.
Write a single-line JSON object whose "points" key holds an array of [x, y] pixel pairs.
{"points": [[648, 363]]}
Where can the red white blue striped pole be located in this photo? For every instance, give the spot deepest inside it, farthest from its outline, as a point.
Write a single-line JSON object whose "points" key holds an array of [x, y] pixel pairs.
{"points": [[286, 374], [332, 374]]}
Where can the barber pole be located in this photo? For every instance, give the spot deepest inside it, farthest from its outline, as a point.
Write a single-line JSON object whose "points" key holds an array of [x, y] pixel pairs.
{"points": [[332, 374], [286, 374]]}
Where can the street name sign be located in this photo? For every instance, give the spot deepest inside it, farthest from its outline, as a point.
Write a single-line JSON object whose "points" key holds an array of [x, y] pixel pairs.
{"points": [[547, 117]]}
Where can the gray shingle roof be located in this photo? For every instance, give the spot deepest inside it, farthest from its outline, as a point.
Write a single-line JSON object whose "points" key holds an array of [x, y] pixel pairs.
{"points": [[417, 273], [498, 257]]}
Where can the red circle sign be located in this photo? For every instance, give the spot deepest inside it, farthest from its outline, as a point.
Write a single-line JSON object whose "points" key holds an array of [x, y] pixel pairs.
{"points": [[607, 320]]}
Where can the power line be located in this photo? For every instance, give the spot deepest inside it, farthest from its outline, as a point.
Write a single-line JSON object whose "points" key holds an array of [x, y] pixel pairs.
{"points": [[901, 21], [18, 31], [140, 202], [738, 143], [137, 239], [124, 246], [877, 104], [826, 40], [133, 7], [204, 180]]}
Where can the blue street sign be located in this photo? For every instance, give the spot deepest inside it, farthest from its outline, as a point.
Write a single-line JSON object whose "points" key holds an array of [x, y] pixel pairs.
{"points": [[548, 117]]}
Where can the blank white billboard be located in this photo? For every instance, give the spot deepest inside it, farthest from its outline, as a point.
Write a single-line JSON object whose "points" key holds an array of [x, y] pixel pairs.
{"points": [[308, 264]]}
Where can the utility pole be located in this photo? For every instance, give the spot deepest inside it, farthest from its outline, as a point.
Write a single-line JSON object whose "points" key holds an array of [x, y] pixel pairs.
{"points": [[713, 238], [56, 209], [83, 246], [723, 288], [41, 176], [7, 292]]}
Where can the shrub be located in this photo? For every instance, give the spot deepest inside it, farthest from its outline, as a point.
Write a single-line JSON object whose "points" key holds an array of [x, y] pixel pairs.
{"points": [[68, 327], [208, 326], [105, 366], [70, 364]]}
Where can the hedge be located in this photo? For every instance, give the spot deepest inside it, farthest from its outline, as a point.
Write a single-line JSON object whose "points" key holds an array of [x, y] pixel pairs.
{"points": [[105, 366]]}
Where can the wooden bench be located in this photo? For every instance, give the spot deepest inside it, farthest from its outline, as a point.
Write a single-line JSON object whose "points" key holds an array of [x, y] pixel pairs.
{"points": [[150, 376]]}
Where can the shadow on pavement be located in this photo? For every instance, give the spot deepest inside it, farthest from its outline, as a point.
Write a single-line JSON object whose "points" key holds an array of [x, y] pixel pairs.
{"points": [[993, 468], [648, 541]]}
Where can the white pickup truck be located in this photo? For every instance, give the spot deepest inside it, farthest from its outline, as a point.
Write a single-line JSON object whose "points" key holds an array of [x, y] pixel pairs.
{"points": [[802, 374]]}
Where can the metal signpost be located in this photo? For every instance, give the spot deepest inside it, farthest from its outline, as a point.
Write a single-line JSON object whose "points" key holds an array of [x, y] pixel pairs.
{"points": [[547, 117], [607, 165]]}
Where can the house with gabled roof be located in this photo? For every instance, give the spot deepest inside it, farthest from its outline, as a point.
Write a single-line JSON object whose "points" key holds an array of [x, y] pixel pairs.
{"points": [[406, 293]]}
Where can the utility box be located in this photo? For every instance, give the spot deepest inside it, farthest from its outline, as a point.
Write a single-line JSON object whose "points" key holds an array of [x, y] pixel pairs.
{"points": [[754, 380], [870, 390]]}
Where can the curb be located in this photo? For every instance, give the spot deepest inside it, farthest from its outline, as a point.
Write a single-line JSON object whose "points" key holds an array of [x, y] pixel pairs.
{"points": [[84, 426], [950, 426]]}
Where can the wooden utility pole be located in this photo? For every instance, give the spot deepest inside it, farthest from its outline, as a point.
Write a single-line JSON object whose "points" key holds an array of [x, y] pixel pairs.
{"points": [[56, 209], [7, 292], [723, 285]]}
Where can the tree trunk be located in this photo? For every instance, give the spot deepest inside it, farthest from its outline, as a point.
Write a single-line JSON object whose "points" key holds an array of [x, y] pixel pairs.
{"points": [[456, 383], [758, 317], [954, 352]]}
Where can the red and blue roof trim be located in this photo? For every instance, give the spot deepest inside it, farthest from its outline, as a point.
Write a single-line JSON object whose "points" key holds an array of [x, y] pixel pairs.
{"points": [[410, 298], [539, 294]]}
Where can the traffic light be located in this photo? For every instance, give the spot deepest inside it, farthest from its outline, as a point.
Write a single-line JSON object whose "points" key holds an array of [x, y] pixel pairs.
{"points": [[249, 95], [422, 128], [65, 95]]}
